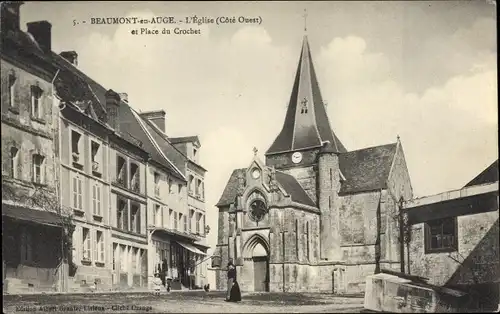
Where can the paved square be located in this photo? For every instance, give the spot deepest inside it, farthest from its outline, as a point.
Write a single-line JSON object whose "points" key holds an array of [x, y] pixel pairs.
{"points": [[182, 302]]}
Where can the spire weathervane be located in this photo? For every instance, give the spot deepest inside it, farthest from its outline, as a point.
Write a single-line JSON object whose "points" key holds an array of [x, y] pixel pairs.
{"points": [[305, 20], [255, 150]]}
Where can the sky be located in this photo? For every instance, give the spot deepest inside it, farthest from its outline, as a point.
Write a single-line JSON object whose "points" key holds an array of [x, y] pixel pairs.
{"points": [[425, 71]]}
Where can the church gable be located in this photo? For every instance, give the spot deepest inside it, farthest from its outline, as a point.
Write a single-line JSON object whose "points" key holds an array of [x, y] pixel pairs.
{"points": [[287, 185], [398, 182], [366, 169]]}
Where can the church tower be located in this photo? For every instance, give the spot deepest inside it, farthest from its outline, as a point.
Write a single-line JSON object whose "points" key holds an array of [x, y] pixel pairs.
{"points": [[305, 130]]}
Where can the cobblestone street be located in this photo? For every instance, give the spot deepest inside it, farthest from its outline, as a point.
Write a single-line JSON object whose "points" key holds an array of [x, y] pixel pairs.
{"points": [[182, 302]]}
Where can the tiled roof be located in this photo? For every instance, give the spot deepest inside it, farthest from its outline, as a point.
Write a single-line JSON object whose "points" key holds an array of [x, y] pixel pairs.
{"points": [[366, 169], [176, 160], [305, 130], [488, 175], [74, 86], [184, 139], [293, 188]]}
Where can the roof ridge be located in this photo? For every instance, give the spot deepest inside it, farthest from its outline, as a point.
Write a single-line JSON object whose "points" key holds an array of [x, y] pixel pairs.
{"points": [[152, 140], [165, 137], [370, 147]]}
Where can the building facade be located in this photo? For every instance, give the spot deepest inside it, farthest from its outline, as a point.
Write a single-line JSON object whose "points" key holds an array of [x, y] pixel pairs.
{"points": [[313, 212], [190, 147], [33, 222], [176, 249], [86, 178], [453, 240]]}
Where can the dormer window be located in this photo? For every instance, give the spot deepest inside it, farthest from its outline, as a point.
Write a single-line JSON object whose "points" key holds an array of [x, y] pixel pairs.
{"points": [[36, 96], [195, 151]]}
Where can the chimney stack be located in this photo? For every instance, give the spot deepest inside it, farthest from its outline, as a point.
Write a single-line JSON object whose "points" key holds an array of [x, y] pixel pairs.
{"points": [[70, 56], [10, 15], [41, 31], [112, 105], [157, 117]]}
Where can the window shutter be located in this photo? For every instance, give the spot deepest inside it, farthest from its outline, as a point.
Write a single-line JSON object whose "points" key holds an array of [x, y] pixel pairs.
{"points": [[75, 193], [80, 197], [98, 188], [96, 245], [138, 220], [101, 243], [94, 200], [89, 244], [125, 218]]}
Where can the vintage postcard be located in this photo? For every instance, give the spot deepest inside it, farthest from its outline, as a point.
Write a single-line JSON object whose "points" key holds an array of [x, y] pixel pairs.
{"points": [[264, 156]]}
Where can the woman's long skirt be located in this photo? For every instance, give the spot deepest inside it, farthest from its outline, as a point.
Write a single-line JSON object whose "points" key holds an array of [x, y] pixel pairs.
{"points": [[235, 295], [230, 282]]}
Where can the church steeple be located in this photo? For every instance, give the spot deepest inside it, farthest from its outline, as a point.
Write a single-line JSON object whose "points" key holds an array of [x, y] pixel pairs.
{"points": [[306, 122]]}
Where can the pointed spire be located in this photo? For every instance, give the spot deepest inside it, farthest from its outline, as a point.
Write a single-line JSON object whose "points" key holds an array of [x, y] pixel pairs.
{"points": [[305, 21], [306, 122]]}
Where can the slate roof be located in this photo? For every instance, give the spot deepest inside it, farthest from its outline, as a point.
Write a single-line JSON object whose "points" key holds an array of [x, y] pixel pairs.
{"points": [[184, 139], [177, 161], [82, 92], [287, 182], [231, 189], [489, 175], [366, 169], [308, 130], [293, 188]]}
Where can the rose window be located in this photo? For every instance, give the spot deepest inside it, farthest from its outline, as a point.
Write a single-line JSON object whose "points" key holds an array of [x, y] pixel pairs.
{"points": [[257, 210]]}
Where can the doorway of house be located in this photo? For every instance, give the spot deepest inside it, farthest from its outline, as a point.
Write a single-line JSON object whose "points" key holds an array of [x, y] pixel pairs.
{"points": [[260, 268]]}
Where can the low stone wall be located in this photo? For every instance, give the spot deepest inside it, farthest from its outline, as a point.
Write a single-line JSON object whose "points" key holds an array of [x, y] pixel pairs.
{"points": [[28, 279], [388, 293]]}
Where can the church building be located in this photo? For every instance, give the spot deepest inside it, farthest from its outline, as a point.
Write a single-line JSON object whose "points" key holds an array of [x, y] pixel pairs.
{"points": [[312, 217]]}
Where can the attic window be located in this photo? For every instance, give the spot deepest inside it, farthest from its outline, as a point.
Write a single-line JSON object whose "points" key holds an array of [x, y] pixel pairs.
{"points": [[304, 106]]}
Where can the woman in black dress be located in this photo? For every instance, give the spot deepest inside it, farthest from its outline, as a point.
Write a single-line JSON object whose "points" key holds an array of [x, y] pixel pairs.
{"points": [[233, 289]]}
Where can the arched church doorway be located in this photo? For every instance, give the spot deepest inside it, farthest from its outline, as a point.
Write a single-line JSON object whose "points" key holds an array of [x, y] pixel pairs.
{"points": [[260, 259]]}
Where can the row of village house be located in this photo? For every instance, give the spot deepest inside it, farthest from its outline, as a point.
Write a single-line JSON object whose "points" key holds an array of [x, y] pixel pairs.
{"points": [[95, 195]]}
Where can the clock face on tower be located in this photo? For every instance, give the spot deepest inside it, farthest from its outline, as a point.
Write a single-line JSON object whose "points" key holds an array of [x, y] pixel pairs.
{"points": [[296, 157], [255, 173]]}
